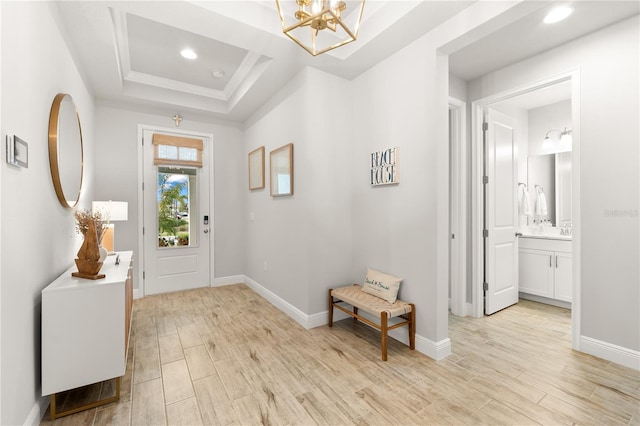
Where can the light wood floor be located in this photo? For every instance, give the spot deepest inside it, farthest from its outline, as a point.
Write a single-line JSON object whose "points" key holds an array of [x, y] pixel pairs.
{"points": [[226, 356]]}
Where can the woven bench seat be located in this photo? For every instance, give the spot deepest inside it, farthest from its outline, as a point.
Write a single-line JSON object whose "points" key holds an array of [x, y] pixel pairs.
{"points": [[354, 296]]}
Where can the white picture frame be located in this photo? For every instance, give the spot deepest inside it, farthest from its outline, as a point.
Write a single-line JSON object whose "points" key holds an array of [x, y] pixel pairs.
{"points": [[17, 151]]}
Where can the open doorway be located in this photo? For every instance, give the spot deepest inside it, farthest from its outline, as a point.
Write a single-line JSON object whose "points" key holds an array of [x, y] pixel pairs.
{"points": [[539, 224]]}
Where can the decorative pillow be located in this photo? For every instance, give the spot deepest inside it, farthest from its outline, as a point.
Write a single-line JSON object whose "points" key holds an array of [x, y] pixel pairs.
{"points": [[382, 285]]}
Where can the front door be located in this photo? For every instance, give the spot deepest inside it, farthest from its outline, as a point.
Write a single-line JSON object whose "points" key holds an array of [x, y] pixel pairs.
{"points": [[501, 213], [177, 237]]}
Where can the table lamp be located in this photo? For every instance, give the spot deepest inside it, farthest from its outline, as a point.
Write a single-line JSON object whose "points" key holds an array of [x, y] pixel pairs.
{"points": [[116, 211]]}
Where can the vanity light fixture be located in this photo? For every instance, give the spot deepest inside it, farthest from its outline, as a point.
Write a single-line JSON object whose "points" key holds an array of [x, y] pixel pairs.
{"points": [[188, 54], [565, 138], [558, 14], [320, 25]]}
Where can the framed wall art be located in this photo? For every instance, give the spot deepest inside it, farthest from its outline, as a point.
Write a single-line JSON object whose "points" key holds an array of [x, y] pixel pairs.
{"points": [[17, 151], [281, 162], [256, 168], [384, 167]]}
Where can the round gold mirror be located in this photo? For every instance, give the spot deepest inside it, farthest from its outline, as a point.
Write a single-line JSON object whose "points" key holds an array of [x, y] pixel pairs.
{"points": [[65, 150]]}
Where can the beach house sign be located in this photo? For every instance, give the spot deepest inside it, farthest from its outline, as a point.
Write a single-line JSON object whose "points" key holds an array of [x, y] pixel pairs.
{"points": [[384, 167]]}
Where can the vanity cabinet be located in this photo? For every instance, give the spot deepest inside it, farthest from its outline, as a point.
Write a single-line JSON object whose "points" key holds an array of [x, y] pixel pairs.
{"points": [[85, 328], [545, 268]]}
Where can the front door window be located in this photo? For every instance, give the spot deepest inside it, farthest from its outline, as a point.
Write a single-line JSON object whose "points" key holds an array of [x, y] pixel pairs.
{"points": [[177, 198]]}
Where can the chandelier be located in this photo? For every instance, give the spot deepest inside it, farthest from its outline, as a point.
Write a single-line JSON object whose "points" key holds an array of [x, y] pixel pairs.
{"points": [[320, 25]]}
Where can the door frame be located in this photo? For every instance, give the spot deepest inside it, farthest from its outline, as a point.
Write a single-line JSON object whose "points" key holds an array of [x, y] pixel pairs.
{"points": [[477, 213], [458, 215], [208, 138]]}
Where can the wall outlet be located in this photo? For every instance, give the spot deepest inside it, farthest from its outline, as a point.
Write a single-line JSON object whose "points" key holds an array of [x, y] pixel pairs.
{"points": [[265, 266]]}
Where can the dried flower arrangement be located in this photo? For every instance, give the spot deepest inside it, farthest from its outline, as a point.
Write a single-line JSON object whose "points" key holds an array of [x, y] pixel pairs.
{"points": [[100, 220]]}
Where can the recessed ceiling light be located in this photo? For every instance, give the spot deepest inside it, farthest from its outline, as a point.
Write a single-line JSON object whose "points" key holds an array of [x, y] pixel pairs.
{"points": [[558, 14], [217, 73], [188, 53]]}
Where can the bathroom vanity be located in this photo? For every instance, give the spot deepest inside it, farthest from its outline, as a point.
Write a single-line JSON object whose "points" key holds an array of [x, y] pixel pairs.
{"points": [[545, 268]]}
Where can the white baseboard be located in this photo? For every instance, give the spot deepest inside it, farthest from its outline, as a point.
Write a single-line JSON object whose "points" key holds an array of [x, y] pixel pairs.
{"points": [[468, 309], [232, 279], [435, 350], [37, 411], [286, 307], [610, 352], [545, 300], [137, 293]]}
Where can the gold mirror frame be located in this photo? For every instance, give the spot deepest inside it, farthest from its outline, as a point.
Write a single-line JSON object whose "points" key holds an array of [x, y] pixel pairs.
{"points": [[56, 148]]}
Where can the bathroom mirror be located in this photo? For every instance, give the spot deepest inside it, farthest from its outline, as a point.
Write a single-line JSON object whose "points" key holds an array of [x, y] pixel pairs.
{"points": [[65, 150], [551, 172]]}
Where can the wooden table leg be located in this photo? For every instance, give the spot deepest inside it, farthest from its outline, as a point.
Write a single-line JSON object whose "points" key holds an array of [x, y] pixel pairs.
{"points": [[384, 317], [56, 415], [330, 308]]}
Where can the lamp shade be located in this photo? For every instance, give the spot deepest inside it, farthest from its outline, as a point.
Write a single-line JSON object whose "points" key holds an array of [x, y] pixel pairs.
{"points": [[565, 137], [114, 210]]}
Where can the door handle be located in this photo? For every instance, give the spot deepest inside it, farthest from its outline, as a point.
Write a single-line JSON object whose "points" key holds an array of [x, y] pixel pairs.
{"points": [[518, 234], [550, 260], [206, 231]]}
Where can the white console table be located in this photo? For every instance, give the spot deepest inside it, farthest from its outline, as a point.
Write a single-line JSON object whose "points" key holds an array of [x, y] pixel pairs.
{"points": [[85, 330]]}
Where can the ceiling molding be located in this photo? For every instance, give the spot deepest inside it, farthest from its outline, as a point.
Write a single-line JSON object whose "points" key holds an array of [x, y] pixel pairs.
{"points": [[248, 71], [140, 64]]}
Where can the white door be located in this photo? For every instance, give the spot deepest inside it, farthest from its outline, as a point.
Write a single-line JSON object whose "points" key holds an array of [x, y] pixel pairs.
{"points": [[501, 213], [177, 235]]}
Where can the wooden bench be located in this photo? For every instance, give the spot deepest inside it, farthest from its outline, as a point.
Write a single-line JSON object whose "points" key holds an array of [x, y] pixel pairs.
{"points": [[354, 296]]}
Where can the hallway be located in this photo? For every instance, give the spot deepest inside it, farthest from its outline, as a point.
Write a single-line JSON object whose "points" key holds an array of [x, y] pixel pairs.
{"points": [[227, 356]]}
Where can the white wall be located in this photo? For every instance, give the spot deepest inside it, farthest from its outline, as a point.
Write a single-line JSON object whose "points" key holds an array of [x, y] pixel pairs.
{"points": [[395, 227], [336, 225], [305, 239], [457, 88], [400, 229], [117, 178], [608, 65], [37, 231]]}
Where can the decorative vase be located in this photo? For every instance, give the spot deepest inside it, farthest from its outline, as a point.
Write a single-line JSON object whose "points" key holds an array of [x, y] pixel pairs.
{"points": [[88, 261]]}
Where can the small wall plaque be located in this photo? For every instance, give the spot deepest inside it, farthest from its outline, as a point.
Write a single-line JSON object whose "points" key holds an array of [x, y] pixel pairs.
{"points": [[17, 151], [384, 167]]}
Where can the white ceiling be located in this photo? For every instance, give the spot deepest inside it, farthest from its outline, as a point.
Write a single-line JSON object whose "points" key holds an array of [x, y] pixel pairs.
{"points": [[529, 36], [128, 51]]}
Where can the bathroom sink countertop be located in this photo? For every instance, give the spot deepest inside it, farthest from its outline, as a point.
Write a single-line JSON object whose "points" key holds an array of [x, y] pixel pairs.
{"points": [[547, 236]]}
